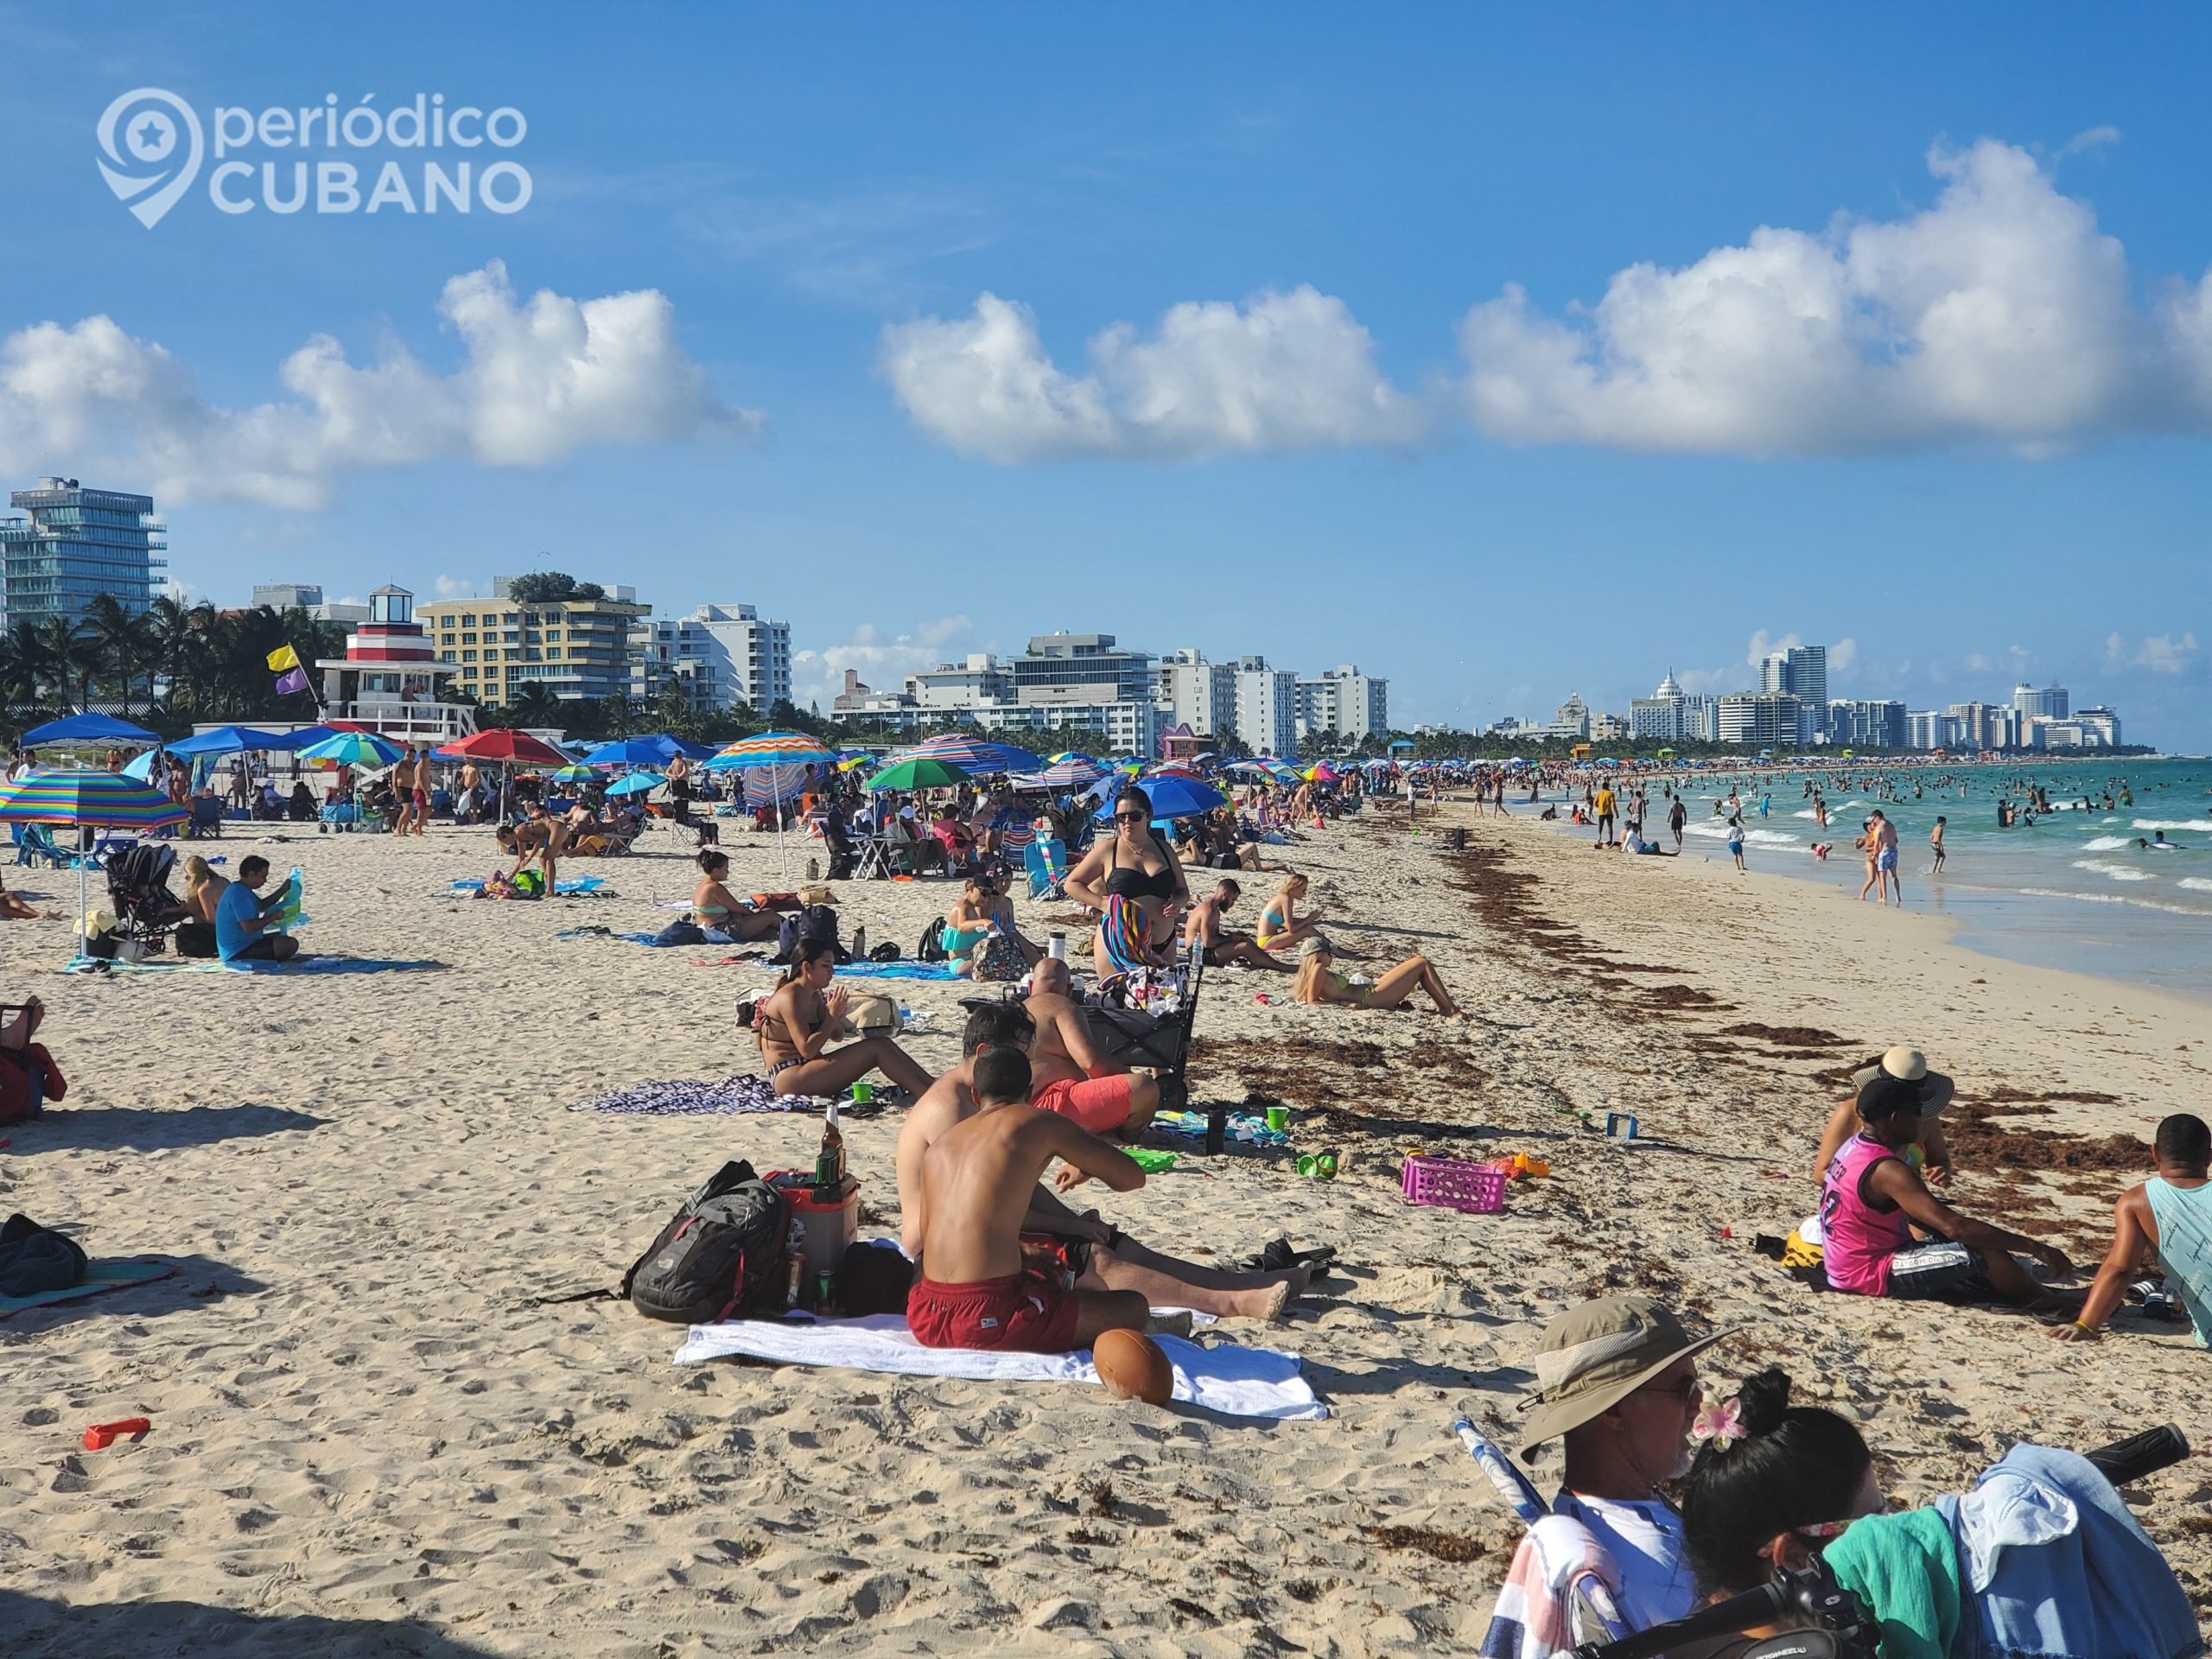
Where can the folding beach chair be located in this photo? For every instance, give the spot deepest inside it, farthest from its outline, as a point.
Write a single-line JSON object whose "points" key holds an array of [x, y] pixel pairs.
{"points": [[1557, 1593], [1160, 1042], [1047, 863], [875, 859]]}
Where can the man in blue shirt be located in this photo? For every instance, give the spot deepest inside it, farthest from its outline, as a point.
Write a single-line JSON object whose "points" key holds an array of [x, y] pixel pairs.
{"points": [[242, 918]]}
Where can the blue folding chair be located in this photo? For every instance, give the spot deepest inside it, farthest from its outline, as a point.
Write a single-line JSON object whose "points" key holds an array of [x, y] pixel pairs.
{"points": [[1047, 863]]}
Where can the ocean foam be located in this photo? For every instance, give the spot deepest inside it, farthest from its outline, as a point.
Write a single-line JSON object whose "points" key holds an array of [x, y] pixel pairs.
{"points": [[2117, 872], [2173, 823], [2111, 898], [2107, 843], [2196, 884]]}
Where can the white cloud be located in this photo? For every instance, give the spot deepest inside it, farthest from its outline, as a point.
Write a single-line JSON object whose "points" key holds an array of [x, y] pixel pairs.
{"points": [[1977, 661], [1710, 682], [1841, 655], [1761, 646], [1281, 371], [455, 588], [2089, 138], [539, 381], [2161, 653], [2000, 314], [882, 661]]}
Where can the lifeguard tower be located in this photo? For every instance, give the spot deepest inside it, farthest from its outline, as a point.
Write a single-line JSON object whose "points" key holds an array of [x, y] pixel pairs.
{"points": [[388, 678]]}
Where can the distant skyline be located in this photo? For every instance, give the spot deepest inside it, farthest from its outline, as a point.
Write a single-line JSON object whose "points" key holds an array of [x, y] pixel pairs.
{"points": [[1501, 357]]}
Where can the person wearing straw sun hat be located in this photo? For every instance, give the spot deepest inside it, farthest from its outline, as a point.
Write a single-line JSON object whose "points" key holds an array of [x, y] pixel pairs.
{"points": [[1931, 1154], [1616, 1381]]}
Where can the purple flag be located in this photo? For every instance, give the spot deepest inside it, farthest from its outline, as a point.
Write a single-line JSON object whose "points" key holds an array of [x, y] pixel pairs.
{"points": [[291, 680]]}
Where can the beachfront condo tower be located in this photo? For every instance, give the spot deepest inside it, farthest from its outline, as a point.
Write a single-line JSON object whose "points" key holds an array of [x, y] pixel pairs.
{"points": [[75, 544]]}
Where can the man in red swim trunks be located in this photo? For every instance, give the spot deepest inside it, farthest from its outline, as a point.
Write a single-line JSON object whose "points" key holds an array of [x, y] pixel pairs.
{"points": [[1071, 1077], [977, 1180]]}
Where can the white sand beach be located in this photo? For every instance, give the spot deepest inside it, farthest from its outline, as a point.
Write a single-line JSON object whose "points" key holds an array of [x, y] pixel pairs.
{"points": [[372, 1434]]}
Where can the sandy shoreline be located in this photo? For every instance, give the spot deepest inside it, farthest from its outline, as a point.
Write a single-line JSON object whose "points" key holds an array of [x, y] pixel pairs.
{"points": [[371, 1437]]}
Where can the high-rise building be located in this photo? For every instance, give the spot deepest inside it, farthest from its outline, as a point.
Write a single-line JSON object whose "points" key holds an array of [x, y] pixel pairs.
{"points": [[74, 545], [1769, 719], [1867, 725], [1266, 707], [1345, 703], [1573, 716], [1658, 718], [1932, 729], [576, 648], [2045, 703], [724, 655], [1080, 682], [1800, 672], [1194, 692]]}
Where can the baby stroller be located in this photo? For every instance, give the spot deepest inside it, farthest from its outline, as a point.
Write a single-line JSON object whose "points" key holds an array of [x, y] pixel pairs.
{"points": [[1158, 1037], [138, 892]]}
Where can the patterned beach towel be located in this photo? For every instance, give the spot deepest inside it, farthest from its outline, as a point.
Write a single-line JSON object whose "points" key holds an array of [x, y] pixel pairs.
{"points": [[722, 1096]]}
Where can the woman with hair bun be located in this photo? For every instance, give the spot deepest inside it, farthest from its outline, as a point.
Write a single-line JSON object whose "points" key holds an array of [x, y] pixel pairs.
{"points": [[1770, 1480]]}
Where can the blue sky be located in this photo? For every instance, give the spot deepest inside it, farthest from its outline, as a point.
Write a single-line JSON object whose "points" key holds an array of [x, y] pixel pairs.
{"points": [[1197, 326]]}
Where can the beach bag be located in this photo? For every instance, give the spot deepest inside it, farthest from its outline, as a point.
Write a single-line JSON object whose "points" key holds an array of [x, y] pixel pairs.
{"points": [[931, 949], [1001, 960], [195, 939], [813, 924], [682, 930], [721, 1253], [34, 1258], [872, 1014], [528, 884]]}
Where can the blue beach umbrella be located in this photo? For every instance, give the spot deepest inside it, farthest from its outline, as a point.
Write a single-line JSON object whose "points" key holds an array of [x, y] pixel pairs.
{"points": [[637, 783], [353, 749]]}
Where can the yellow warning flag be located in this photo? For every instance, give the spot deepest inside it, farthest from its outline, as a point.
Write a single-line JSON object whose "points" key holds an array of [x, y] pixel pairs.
{"points": [[283, 657]]}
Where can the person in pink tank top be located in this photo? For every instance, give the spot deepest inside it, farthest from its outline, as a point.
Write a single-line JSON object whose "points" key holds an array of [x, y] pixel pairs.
{"points": [[1871, 1200]]}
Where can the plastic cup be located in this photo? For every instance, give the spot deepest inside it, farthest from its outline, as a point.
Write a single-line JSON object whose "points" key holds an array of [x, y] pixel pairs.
{"points": [[863, 1093], [1277, 1118]]}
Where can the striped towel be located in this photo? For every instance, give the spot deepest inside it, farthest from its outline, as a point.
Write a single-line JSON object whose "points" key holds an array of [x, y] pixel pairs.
{"points": [[1558, 1593], [1124, 931]]}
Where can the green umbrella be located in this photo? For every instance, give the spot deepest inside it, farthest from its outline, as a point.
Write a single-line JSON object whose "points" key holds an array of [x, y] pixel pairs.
{"points": [[918, 773]]}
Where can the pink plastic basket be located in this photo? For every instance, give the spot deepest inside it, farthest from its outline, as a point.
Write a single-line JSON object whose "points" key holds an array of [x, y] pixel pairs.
{"points": [[1454, 1183]]}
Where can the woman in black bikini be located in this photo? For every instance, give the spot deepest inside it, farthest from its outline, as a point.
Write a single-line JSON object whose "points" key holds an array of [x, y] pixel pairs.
{"points": [[805, 1013], [1133, 863]]}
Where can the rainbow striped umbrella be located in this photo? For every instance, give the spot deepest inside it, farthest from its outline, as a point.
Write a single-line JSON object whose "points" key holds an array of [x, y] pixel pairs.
{"points": [[93, 800], [1073, 771], [784, 756], [973, 754]]}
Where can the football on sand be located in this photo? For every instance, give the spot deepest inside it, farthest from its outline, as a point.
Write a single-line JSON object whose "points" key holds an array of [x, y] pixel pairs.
{"points": [[1132, 1367]]}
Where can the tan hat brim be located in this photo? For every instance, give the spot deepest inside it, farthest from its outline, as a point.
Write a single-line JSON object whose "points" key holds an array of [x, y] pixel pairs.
{"points": [[1935, 1088], [1550, 1420]]}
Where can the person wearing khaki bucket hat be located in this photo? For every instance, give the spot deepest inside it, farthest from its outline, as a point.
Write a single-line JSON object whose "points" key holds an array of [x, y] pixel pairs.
{"points": [[1616, 1381], [1931, 1154]]}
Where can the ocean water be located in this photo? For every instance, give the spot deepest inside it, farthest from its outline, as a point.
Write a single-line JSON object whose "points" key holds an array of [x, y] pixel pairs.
{"points": [[2074, 890]]}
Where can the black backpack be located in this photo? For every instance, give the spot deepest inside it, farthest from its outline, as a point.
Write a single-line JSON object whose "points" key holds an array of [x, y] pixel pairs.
{"points": [[816, 923], [723, 1252], [931, 949]]}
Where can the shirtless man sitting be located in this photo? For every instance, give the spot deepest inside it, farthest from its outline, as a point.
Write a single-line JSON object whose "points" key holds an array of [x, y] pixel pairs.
{"points": [[1104, 1257], [974, 1182], [1071, 1077], [1203, 928]]}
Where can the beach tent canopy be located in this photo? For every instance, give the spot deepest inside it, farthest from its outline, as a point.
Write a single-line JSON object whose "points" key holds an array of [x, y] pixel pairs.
{"points": [[232, 740], [656, 748], [87, 728], [1403, 743]]}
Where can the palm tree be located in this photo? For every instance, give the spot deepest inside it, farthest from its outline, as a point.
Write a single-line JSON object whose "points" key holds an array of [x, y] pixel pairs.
{"points": [[119, 640], [171, 627], [68, 660], [533, 706]]}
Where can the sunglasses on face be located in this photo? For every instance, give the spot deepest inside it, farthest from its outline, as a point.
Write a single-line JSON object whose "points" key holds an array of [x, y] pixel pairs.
{"points": [[1129, 817]]}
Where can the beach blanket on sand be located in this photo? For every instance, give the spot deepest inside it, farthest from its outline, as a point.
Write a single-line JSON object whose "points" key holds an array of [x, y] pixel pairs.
{"points": [[578, 886], [1235, 1381], [102, 1274], [297, 966], [699, 1097]]}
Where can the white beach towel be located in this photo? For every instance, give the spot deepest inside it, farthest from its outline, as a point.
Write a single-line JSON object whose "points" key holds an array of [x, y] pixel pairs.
{"points": [[1236, 1381]]}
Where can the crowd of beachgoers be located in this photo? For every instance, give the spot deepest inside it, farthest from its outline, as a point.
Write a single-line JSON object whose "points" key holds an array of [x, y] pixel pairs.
{"points": [[1079, 939]]}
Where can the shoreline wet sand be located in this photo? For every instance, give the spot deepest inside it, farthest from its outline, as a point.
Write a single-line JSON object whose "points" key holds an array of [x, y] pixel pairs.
{"points": [[376, 1427]]}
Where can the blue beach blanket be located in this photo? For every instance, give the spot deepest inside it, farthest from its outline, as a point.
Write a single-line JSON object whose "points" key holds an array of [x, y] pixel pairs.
{"points": [[296, 966], [111, 1274], [581, 883]]}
